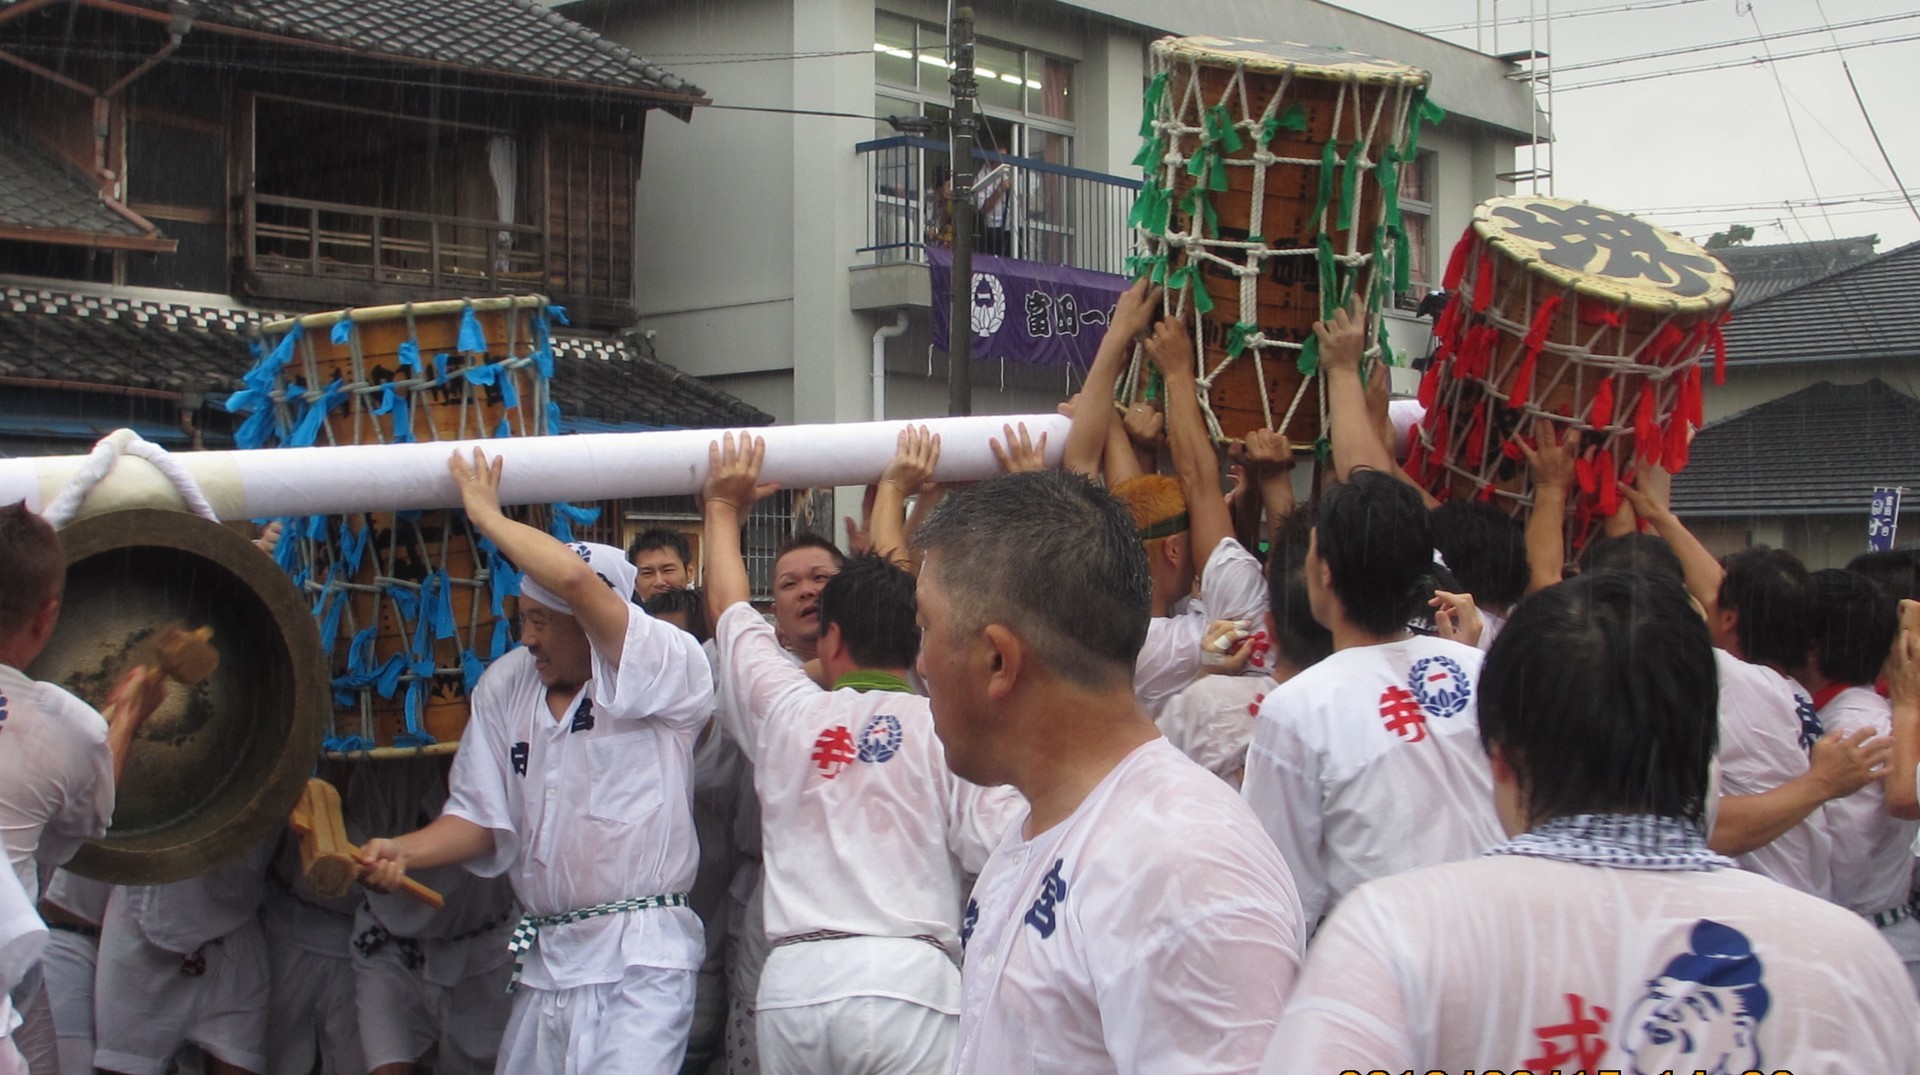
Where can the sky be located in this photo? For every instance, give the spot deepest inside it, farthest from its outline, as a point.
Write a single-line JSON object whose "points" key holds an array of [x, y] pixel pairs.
{"points": [[1751, 144]]}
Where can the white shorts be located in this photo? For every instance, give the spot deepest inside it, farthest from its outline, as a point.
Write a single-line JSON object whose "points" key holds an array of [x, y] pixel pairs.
{"points": [[145, 1005], [403, 1016], [311, 1011], [635, 1026], [67, 966], [857, 1036]]}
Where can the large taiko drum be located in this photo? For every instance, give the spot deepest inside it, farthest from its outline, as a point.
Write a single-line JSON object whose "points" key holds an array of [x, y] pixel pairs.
{"points": [[412, 605], [1577, 315], [1271, 197]]}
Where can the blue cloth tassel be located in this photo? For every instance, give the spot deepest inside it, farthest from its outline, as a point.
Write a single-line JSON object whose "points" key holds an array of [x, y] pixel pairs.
{"points": [[472, 339]]}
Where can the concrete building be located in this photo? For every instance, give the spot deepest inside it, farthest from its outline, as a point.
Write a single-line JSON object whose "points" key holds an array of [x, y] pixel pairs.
{"points": [[776, 249]]}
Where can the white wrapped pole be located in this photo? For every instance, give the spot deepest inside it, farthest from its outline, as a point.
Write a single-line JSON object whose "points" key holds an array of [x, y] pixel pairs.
{"points": [[584, 467]]}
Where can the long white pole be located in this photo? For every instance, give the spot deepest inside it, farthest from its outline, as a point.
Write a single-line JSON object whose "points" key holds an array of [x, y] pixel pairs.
{"points": [[585, 467]]}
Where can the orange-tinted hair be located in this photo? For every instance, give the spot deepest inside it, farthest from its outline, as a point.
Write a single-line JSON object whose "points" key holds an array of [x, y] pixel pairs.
{"points": [[1151, 498]]}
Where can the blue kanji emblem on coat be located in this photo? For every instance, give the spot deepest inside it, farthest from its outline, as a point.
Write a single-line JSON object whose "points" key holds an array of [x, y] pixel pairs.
{"points": [[1440, 685], [880, 739], [1043, 916]]}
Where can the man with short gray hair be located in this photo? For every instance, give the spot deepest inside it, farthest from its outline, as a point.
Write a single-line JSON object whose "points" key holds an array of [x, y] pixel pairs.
{"points": [[1137, 919]]}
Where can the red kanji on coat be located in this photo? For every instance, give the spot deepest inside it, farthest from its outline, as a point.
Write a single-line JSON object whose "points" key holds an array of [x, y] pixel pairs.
{"points": [[1578, 1043], [1403, 714], [834, 751]]}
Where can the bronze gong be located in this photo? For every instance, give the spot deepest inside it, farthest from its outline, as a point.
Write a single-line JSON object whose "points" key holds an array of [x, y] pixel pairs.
{"points": [[218, 766]]}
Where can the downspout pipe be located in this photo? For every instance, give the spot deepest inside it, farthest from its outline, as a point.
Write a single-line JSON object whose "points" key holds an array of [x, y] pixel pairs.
{"points": [[880, 338]]}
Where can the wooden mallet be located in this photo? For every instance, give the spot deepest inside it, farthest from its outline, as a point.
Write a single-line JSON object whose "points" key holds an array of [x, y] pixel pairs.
{"points": [[330, 861]]}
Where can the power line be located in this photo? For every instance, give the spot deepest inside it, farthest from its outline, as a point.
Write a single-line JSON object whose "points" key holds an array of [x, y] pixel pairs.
{"points": [[1752, 61], [1689, 49], [1639, 5], [1865, 115]]}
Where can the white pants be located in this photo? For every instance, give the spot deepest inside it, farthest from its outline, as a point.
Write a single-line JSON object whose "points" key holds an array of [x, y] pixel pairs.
{"points": [[857, 1036], [68, 968], [403, 1016], [311, 1010], [635, 1026], [145, 1007]]}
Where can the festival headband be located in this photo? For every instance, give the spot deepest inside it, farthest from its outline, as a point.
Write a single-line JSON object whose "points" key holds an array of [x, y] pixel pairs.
{"points": [[1167, 527]]}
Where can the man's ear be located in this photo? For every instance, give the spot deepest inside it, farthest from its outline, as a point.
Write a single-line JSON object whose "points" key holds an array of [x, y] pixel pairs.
{"points": [[1005, 657], [830, 642], [43, 621]]}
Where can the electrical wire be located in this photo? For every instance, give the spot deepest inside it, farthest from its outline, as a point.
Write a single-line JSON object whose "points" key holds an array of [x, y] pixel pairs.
{"points": [[1518, 20], [1753, 61], [1867, 116], [1689, 49]]}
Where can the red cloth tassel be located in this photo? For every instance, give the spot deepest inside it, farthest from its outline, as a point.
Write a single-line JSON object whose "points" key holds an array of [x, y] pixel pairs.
{"points": [[1696, 398], [1430, 383], [1486, 493], [1664, 347], [1476, 448], [1521, 391], [1679, 445], [1593, 313], [1583, 475], [1417, 459], [1607, 478], [1600, 415], [1457, 262], [1646, 429], [1483, 284], [1719, 354], [1511, 449], [1442, 432]]}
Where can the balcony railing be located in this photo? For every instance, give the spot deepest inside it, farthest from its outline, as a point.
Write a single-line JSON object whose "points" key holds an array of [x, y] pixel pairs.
{"points": [[391, 248], [1055, 214]]}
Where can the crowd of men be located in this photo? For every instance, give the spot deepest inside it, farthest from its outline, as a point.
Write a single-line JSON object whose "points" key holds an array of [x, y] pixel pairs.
{"points": [[1127, 765]]}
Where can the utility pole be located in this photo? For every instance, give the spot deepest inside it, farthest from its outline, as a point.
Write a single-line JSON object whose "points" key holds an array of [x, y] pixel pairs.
{"points": [[960, 324]]}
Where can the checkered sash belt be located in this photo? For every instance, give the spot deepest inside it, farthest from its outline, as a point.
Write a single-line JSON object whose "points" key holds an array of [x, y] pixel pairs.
{"points": [[1893, 916], [840, 935], [530, 926]]}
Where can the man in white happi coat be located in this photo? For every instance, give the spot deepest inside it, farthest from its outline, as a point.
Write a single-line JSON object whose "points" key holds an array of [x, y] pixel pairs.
{"points": [[1368, 764], [573, 779], [59, 757], [1604, 935], [868, 836], [1135, 918], [1855, 624]]}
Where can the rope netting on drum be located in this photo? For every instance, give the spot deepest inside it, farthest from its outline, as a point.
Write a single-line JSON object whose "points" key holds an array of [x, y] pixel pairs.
{"points": [[411, 604], [1194, 143], [1519, 356]]}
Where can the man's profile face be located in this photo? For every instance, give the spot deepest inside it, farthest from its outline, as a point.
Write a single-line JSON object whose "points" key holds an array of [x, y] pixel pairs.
{"points": [[562, 656], [798, 578], [659, 570], [952, 692]]}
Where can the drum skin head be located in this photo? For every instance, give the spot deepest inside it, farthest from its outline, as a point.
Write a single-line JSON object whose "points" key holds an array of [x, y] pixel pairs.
{"points": [[1605, 254], [1291, 57], [218, 766]]}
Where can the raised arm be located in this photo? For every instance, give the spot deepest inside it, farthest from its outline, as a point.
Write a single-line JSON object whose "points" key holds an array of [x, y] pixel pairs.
{"points": [[1354, 434], [1903, 690], [1551, 467], [601, 612], [1087, 436], [1649, 496], [1194, 459], [732, 486], [914, 458], [1270, 464], [1842, 764]]}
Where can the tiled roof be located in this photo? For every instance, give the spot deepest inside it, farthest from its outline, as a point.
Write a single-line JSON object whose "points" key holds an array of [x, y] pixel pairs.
{"points": [[37, 191], [1865, 312], [53, 334], [1821, 450], [509, 37], [1761, 272]]}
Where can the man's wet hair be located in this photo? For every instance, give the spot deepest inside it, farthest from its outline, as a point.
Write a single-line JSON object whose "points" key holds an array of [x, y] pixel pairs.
{"points": [[871, 601], [1486, 550], [659, 537], [1896, 570], [1854, 625], [1053, 558], [1603, 696], [807, 539], [689, 603], [1298, 636], [1635, 554], [1773, 593], [33, 567], [1373, 531]]}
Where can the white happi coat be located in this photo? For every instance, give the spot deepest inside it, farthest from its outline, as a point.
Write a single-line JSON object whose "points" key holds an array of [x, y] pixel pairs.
{"points": [[1369, 764], [56, 775], [1153, 931], [594, 807], [1212, 720], [1233, 586], [866, 830], [1873, 863], [1508, 963], [1767, 726]]}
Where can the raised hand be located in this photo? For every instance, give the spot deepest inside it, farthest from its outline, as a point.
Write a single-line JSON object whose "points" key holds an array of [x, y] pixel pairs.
{"points": [[733, 472], [1342, 338], [1456, 617], [915, 455], [479, 482], [1551, 464], [1022, 452]]}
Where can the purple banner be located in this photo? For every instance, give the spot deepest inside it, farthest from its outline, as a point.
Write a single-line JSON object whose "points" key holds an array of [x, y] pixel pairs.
{"points": [[1883, 519], [1024, 311]]}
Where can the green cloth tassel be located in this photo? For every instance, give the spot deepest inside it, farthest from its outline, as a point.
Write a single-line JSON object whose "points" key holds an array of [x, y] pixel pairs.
{"points": [[1329, 281], [1309, 363], [1151, 152], [1237, 337], [1150, 106], [1424, 111], [1221, 130], [1329, 162], [1349, 188], [1294, 119], [1198, 206], [1387, 172], [1323, 450]]}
